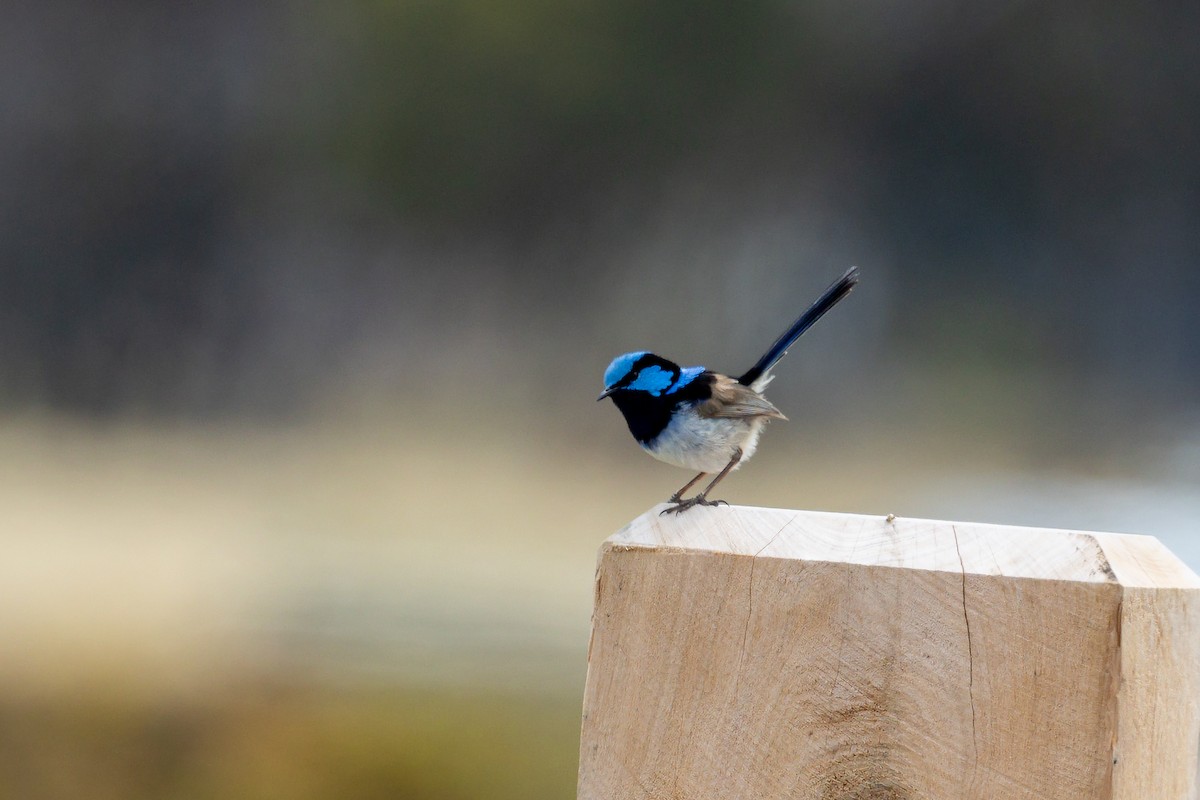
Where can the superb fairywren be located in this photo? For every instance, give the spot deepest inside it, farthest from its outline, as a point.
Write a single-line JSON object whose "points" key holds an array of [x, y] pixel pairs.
{"points": [[702, 420]]}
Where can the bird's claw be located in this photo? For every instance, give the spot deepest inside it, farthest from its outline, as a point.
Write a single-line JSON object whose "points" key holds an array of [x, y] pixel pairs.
{"points": [[683, 505]]}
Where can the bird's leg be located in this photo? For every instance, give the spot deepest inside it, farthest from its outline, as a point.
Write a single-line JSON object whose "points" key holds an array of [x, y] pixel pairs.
{"points": [[702, 498], [678, 496]]}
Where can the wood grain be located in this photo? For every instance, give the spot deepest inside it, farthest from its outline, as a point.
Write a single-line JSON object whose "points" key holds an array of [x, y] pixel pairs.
{"points": [[760, 653]]}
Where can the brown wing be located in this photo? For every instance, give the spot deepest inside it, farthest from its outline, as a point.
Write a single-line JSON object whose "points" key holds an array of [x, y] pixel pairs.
{"points": [[732, 400]]}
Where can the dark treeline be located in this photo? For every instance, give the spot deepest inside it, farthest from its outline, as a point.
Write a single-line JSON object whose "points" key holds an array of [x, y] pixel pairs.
{"points": [[220, 208]]}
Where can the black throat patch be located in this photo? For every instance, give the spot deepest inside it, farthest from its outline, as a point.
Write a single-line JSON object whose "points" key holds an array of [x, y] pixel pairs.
{"points": [[648, 416]]}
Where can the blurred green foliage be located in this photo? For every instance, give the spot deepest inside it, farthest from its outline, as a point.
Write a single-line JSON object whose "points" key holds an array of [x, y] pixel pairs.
{"points": [[455, 109]]}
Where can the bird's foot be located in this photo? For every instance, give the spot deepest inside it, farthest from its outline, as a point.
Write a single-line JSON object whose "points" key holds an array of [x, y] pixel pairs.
{"points": [[683, 505]]}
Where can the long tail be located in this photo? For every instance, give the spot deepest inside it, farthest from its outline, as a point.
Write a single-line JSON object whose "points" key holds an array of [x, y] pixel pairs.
{"points": [[840, 288]]}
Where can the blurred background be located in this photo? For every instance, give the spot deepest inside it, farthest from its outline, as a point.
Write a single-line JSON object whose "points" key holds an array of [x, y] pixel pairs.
{"points": [[304, 308]]}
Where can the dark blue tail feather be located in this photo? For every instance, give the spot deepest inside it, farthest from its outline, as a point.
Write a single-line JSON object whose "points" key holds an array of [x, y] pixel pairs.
{"points": [[826, 301]]}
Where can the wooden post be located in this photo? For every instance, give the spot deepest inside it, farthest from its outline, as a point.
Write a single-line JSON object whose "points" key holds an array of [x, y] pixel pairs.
{"points": [[758, 653]]}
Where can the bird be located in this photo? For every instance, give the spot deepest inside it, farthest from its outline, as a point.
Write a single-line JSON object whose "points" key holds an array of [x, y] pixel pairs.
{"points": [[702, 420]]}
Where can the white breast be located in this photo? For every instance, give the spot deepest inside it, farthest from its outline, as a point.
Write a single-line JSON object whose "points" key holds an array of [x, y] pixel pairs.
{"points": [[705, 444]]}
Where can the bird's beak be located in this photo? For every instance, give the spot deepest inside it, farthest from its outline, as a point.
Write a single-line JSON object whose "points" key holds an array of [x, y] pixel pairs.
{"points": [[605, 393]]}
